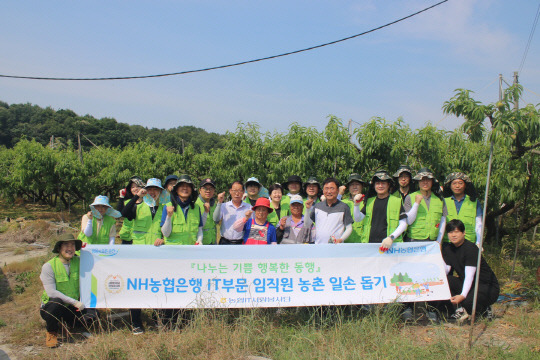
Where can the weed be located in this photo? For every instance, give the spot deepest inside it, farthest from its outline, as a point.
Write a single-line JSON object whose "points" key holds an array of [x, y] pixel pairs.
{"points": [[2, 323]]}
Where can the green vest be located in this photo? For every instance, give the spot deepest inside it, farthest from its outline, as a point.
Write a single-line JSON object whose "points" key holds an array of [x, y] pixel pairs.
{"points": [[358, 227], [273, 218], [184, 231], [67, 285], [392, 217], [467, 214], [145, 229], [101, 238], [127, 227], [426, 225], [209, 228]]}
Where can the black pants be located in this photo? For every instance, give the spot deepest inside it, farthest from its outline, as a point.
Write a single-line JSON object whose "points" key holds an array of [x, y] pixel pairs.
{"points": [[224, 241], [56, 311], [487, 294]]}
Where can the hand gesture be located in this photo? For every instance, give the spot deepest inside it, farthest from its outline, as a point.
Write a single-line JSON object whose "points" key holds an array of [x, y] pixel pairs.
{"points": [[386, 244], [323, 198], [308, 203], [122, 193], [89, 215], [221, 197], [248, 214], [282, 223], [142, 193], [159, 242], [418, 198], [358, 198], [342, 190], [206, 207], [170, 211]]}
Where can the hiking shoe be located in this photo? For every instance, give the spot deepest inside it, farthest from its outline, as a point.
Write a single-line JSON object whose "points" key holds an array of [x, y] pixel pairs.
{"points": [[51, 340], [460, 315], [407, 315], [432, 316], [488, 314], [137, 331]]}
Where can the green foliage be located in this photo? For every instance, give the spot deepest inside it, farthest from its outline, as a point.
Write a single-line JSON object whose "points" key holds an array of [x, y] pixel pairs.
{"points": [[19, 121]]}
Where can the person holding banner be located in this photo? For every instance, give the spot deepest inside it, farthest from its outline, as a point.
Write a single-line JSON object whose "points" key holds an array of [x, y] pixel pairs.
{"points": [[60, 299], [227, 213], [331, 216], [383, 215], [295, 228], [257, 230], [98, 226], [427, 216], [182, 223], [281, 209], [461, 257], [293, 186], [132, 188], [207, 203], [403, 178], [146, 217], [427, 221], [461, 201], [356, 185]]}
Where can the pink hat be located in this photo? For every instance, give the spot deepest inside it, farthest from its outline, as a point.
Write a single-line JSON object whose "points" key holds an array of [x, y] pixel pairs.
{"points": [[262, 201]]}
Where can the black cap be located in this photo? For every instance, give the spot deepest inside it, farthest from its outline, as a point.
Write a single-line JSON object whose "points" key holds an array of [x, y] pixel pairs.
{"points": [[208, 181]]}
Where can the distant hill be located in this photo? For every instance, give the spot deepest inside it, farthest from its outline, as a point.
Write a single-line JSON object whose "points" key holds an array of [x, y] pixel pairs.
{"points": [[33, 122]]}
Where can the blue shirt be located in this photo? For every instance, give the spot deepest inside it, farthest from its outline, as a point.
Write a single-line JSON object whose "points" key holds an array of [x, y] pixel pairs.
{"points": [[458, 203]]}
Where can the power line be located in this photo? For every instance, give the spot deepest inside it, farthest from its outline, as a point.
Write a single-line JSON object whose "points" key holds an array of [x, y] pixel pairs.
{"points": [[530, 39], [229, 65]]}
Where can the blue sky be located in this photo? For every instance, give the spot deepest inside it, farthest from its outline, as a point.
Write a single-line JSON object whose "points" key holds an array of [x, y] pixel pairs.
{"points": [[407, 70]]}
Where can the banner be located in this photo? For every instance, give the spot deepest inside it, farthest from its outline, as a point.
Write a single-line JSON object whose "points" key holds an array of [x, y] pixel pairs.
{"points": [[240, 276]]}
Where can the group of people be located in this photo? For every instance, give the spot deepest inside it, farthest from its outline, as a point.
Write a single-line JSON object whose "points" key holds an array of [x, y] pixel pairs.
{"points": [[402, 207]]}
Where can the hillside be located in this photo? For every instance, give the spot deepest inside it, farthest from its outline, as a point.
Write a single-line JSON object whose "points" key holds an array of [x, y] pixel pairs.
{"points": [[29, 121]]}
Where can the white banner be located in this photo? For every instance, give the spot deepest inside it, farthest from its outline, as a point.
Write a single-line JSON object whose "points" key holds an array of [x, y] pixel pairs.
{"points": [[239, 276]]}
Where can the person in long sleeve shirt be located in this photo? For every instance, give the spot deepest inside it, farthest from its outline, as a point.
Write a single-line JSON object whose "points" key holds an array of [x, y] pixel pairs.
{"points": [[60, 301], [426, 218], [384, 218], [461, 257]]}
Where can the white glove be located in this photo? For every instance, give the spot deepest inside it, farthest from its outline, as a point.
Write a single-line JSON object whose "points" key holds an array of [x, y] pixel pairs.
{"points": [[386, 244], [79, 305]]}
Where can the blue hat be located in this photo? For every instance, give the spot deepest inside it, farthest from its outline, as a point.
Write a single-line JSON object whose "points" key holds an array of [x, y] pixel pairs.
{"points": [[296, 199], [153, 182], [253, 180], [104, 200]]}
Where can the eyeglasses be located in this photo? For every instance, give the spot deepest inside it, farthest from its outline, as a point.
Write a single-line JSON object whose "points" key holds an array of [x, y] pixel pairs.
{"points": [[237, 191]]}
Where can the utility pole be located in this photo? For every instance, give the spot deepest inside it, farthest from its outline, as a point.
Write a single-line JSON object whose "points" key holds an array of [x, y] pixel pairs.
{"points": [[516, 81], [80, 148], [481, 243]]}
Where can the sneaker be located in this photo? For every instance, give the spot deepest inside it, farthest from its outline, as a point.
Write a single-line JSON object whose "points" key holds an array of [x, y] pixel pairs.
{"points": [[51, 340], [488, 314], [432, 316], [138, 331], [460, 315], [407, 315]]}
